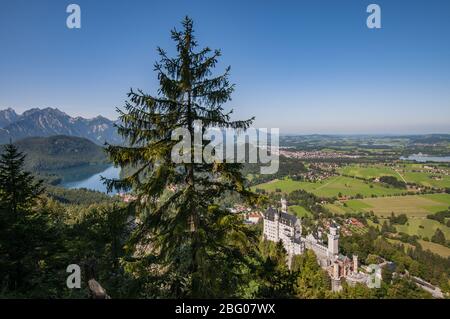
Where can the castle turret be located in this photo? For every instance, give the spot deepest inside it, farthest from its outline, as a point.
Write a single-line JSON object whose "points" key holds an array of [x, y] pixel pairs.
{"points": [[277, 226], [283, 205], [355, 264], [333, 241], [336, 271]]}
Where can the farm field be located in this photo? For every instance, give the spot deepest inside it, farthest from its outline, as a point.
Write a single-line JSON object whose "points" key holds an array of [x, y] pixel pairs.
{"points": [[422, 227], [435, 248], [410, 173], [331, 187], [426, 245], [426, 179], [368, 172], [412, 205]]}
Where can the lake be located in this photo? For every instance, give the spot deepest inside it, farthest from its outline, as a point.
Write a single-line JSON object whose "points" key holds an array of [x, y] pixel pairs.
{"points": [[88, 177], [426, 158]]}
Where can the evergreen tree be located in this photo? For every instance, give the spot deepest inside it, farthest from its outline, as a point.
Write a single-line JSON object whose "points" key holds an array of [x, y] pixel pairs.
{"points": [[312, 281], [97, 243], [194, 247], [274, 279], [18, 189], [438, 237], [19, 225]]}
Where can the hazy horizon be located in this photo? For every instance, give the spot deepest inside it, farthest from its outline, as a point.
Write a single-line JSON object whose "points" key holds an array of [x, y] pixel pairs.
{"points": [[285, 133]]}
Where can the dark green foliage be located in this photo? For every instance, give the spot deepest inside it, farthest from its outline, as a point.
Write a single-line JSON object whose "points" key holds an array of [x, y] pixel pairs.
{"points": [[57, 152], [387, 228], [288, 167], [312, 281], [405, 288], [438, 237], [197, 248], [97, 244], [410, 239], [308, 201], [440, 216], [18, 190], [78, 196], [401, 219], [357, 291], [28, 236], [391, 180], [274, 279]]}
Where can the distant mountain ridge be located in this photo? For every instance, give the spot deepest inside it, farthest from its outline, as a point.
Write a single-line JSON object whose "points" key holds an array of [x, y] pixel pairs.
{"points": [[51, 121], [7, 117]]}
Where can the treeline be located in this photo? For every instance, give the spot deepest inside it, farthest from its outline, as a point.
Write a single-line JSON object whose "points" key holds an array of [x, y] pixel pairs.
{"points": [[443, 217], [400, 219], [288, 167], [309, 201], [391, 180], [439, 238], [81, 196]]}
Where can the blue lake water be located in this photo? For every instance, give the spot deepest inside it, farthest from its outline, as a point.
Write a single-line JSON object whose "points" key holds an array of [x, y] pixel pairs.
{"points": [[88, 177], [426, 158]]}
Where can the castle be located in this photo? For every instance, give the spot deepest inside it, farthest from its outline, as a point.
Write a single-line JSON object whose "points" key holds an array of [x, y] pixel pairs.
{"points": [[279, 225]]}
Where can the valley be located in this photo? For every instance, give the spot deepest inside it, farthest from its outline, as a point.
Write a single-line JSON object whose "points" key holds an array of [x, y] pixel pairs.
{"points": [[370, 179]]}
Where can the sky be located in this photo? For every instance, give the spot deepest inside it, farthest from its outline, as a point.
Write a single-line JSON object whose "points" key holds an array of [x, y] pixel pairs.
{"points": [[302, 66]]}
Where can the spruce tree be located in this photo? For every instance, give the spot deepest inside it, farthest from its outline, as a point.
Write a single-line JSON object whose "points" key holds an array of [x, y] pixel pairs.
{"points": [[194, 247], [18, 234], [18, 188]]}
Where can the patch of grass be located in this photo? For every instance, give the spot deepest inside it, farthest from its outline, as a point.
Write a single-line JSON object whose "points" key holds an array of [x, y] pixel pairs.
{"points": [[358, 205], [435, 248], [368, 171], [396, 241], [299, 211], [331, 187], [426, 179], [412, 173], [412, 205], [338, 208], [422, 227]]}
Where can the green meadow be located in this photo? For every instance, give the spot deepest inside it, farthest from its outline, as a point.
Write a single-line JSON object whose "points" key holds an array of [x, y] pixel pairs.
{"points": [[426, 245], [412, 205], [422, 227], [427, 179], [368, 172], [406, 172], [299, 211], [331, 187], [435, 248]]}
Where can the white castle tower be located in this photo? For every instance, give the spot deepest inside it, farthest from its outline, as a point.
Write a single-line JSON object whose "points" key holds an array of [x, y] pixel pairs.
{"points": [[333, 244], [355, 264], [283, 205]]}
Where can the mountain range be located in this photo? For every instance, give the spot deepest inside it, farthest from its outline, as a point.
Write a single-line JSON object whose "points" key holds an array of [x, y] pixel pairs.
{"points": [[51, 121]]}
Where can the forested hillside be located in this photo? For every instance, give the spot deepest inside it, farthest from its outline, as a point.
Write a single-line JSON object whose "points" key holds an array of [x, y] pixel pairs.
{"points": [[57, 152]]}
